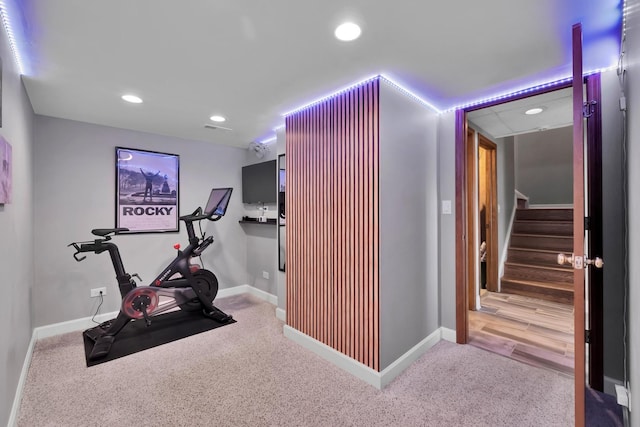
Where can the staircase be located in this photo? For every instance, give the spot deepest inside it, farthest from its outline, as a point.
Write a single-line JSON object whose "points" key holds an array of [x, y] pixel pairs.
{"points": [[531, 269]]}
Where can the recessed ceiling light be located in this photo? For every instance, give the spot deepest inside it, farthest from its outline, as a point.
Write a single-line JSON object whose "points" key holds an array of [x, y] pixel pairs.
{"points": [[347, 32], [218, 119], [132, 99], [533, 111]]}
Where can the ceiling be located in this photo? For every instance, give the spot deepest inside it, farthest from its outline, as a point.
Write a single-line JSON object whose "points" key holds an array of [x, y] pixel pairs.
{"points": [[252, 60], [510, 119]]}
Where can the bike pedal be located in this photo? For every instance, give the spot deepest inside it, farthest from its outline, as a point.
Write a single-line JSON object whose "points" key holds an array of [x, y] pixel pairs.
{"points": [[94, 333], [106, 325], [219, 316], [102, 347]]}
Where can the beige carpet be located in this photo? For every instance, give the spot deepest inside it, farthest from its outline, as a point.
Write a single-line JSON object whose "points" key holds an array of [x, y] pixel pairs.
{"points": [[248, 374]]}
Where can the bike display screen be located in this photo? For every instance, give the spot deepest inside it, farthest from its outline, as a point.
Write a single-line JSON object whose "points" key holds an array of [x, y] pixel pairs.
{"points": [[218, 201]]}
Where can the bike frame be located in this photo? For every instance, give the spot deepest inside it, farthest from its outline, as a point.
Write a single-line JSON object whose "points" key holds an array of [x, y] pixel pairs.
{"points": [[137, 302]]}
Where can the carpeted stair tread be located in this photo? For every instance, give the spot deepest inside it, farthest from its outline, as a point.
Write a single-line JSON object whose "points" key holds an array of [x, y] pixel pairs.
{"points": [[543, 235], [543, 227], [545, 214], [531, 268], [555, 292], [537, 266], [538, 284], [542, 273], [549, 251]]}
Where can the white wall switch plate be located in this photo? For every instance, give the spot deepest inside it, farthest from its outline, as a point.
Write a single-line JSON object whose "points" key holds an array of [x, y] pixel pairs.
{"points": [[446, 207]]}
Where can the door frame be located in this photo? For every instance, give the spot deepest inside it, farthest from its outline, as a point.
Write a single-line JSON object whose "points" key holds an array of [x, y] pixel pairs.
{"points": [[476, 140], [492, 214], [594, 179]]}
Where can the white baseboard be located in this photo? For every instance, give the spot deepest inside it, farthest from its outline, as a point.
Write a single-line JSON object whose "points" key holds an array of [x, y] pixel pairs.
{"points": [[359, 370], [248, 289], [403, 362], [86, 322], [281, 314], [236, 290], [71, 325], [13, 416], [448, 334]]}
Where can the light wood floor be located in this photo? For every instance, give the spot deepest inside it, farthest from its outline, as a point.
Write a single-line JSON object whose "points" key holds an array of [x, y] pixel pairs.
{"points": [[533, 331]]}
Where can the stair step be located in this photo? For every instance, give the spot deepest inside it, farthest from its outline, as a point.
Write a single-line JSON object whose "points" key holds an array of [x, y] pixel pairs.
{"points": [[538, 273], [535, 257], [556, 228], [544, 214], [540, 241], [546, 291]]}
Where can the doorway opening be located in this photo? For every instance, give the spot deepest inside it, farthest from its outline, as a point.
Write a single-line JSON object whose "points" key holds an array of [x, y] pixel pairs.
{"points": [[520, 299]]}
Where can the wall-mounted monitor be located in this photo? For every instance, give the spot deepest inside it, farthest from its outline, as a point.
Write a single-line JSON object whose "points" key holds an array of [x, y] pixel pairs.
{"points": [[218, 201], [259, 183]]}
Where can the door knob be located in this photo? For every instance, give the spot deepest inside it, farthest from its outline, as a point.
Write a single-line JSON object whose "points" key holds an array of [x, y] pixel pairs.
{"points": [[597, 262], [565, 259], [577, 262]]}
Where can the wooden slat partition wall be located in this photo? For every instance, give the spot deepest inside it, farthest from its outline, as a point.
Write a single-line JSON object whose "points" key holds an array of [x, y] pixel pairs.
{"points": [[332, 222]]}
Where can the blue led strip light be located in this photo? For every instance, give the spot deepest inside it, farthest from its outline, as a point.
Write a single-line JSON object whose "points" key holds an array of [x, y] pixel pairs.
{"points": [[331, 95], [529, 89], [410, 94], [267, 140], [380, 77], [6, 22], [509, 94]]}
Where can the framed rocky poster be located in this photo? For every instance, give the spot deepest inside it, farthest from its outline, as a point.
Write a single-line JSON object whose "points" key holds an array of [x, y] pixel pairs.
{"points": [[147, 191]]}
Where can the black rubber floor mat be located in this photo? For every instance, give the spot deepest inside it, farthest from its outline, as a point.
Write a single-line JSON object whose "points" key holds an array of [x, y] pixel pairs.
{"points": [[137, 336]]}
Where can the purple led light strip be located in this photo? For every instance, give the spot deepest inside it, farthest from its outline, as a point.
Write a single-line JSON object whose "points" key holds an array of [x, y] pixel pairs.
{"points": [[6, 22]]}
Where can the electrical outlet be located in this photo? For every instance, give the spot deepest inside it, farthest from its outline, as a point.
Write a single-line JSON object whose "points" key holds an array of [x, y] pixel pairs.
{"points": [[95, 292], [265, 275]]}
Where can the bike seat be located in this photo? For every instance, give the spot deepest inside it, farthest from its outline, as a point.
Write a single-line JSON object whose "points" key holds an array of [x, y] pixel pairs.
{"points": [[102, 232]]}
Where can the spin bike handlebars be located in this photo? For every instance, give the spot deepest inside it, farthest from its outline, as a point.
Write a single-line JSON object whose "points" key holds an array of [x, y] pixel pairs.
{"points": [[98, 245], [198, 215]]}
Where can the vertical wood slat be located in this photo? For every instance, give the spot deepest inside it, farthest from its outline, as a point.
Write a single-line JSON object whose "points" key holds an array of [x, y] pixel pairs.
{"points": [[332, 222]]}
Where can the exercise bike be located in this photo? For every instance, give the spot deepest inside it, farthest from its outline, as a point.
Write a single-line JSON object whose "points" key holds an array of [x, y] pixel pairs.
{"points": [[181, 284]]}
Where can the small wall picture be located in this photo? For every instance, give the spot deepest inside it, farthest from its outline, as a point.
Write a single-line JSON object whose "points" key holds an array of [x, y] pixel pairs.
{"points": [[147, 194], [5, 172], [0, 92]]}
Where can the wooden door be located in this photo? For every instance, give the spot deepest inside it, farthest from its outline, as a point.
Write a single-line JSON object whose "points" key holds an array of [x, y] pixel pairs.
{"points": [[578, 227], [587, 209], [488, 208]]}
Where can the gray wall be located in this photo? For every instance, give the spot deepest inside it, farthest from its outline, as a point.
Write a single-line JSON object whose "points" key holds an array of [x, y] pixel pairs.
{"points": [[16, 233], [544, 165], [633, 126], [408, 224], [74, 176], [261, 239], [447, 230]]}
